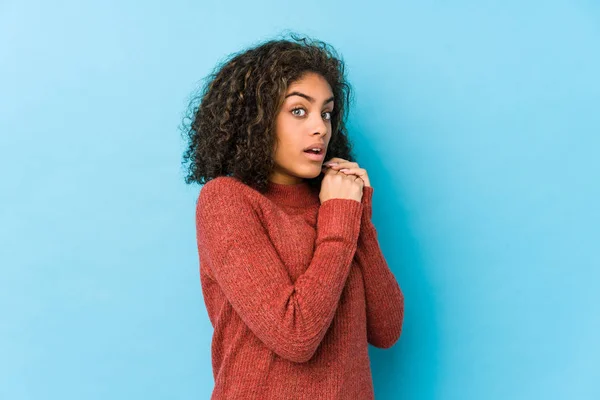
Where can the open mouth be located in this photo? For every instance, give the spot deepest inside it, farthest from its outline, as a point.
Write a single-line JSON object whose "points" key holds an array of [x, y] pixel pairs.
{"points": [[313, 151], [315, 154]]}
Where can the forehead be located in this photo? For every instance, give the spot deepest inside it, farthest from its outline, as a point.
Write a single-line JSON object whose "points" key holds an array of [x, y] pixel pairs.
{"points": [[312, 84]]}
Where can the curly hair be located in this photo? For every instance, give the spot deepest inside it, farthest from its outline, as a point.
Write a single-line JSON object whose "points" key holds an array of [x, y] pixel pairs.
{"points": [[231, 132]]}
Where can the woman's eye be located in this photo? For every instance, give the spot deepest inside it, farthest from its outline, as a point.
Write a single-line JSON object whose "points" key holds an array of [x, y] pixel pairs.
{"points": [[328, 113]]}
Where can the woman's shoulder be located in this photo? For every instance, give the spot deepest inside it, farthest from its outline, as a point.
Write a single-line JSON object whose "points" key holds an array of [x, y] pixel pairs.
{"points": [[230, 199], [223, 188], [220, 183]]}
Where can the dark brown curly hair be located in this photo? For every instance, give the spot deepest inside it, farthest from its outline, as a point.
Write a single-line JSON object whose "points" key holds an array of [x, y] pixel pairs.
{"points": [[230, 132]]}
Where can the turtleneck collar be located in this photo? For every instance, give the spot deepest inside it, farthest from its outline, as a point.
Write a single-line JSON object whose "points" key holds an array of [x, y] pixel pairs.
{"points": [[296, 195]]}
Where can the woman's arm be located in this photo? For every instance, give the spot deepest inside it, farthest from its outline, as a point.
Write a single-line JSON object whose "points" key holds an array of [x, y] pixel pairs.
{"points": [[385, 300], [290, 318]]}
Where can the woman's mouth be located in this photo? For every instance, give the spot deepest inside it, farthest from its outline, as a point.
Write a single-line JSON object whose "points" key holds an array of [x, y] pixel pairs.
{"points": [[315, 156]]}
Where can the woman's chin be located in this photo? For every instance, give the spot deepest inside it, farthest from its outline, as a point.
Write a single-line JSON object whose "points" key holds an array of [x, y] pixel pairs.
{"points": [[313, 173]]}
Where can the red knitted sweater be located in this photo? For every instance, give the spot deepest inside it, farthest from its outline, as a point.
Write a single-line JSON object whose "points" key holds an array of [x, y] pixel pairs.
{"points": [[295, 290]]}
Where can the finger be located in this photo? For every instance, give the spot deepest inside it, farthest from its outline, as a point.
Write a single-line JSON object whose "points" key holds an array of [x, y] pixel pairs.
{"points": [[353, 171], [345, 164], [330, 171], [334, 160], [360, 172]]}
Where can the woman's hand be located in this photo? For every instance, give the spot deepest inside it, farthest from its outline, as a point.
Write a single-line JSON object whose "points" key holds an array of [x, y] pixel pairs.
{"points": [[339, 185], [349, 168]]}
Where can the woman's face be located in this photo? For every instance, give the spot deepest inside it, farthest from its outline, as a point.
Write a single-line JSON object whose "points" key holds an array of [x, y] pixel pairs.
{"points": [[303, 120]]}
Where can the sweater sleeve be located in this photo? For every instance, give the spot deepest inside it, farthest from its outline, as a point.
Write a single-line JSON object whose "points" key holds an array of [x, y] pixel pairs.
{"points": [[385, 300], [289, 318]]}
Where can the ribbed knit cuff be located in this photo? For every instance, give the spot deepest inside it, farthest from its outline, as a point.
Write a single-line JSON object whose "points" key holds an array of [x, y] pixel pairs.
{"points": [[339, 220], [367, 202]]}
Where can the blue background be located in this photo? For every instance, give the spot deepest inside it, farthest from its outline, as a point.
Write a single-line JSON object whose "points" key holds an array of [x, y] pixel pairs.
{"points": [[477, 121]]}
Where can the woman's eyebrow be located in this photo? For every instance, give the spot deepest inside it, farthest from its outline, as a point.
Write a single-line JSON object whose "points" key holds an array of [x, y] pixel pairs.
{"points": [[307, 97]]}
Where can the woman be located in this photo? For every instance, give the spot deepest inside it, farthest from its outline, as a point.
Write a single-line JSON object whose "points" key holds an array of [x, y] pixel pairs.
{"points": [[293, 278]]}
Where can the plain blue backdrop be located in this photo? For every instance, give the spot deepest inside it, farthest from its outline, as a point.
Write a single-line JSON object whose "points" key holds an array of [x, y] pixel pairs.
{"points": [[477, 121]]}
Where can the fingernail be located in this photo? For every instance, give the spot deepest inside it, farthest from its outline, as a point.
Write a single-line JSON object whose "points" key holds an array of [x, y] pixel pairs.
{"points": [[331, 163]]}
